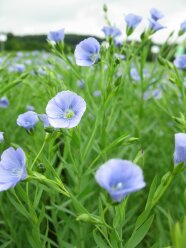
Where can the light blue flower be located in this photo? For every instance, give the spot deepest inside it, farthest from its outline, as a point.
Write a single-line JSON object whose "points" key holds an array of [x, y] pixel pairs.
{"points": [[30, 108], [35, 53], [132, 20], [157, 94], [134, 74], [146, 73], [120, 56], [28, 61], [156, 14], [12, 168], [65, 110], [118, 41], [180, 62], [56, 36], [4, 102], [1, 137], [97, 93], [146, 95], [180, 148], [19, 68], [28, 120], [42, 71], [87, 52], [44, 119], [111, 31], [155, 26], [183, 26], [120, 178], [1, 60], [19, 54], [81, 84]]}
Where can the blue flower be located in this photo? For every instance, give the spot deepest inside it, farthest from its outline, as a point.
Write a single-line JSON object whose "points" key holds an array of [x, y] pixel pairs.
{"points": [[97, 93], [42, 71], [28, 61], [27, 120], [35, 53], [30, 108], [1, 61], [19, 54], [146, 95], [154, 25], [180, 148], [44, 119], [111, 31], [157, 94], [4, 102], [12, 168], [65, 110], [81, 84], [118, 41], [180, 62], [1, 137], [87, 52], [19, 68], [132, 20], [183, 26], [134, 74], [120, 56], [56, 36], [120, 178], [156, 14]]}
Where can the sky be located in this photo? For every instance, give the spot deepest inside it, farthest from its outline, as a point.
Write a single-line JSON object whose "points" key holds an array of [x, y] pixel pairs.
{"points": [[85, 16]]}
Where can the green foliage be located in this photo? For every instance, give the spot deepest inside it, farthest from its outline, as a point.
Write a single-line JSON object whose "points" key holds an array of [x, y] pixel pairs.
{"points": [[60, 204], [39, 42]]}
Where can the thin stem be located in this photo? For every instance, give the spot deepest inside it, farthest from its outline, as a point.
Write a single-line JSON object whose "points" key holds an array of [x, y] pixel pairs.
{"points": [[39, 153]]}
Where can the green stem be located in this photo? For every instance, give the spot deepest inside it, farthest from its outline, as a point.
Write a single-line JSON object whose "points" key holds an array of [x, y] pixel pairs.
{"points": [[58, 185], [161, 190], [39, 153]]}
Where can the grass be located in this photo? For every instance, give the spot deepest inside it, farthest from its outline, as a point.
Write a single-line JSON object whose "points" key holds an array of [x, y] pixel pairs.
{"points": [[119, 123]]}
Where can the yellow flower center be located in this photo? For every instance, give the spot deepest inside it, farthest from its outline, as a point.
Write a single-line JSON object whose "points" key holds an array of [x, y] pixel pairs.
{"points": [[69, 114]]}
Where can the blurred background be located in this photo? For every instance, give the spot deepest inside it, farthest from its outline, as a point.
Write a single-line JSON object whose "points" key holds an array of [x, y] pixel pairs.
{"points": [[84, 17]]}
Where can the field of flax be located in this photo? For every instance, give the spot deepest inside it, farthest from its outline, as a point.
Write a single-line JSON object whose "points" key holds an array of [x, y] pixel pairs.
{"points": [[93, 143]]}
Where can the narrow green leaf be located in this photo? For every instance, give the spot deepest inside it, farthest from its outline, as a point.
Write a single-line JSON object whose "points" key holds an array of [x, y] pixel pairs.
{"points": [[140, 233], [152, 190], [99, 240]]}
